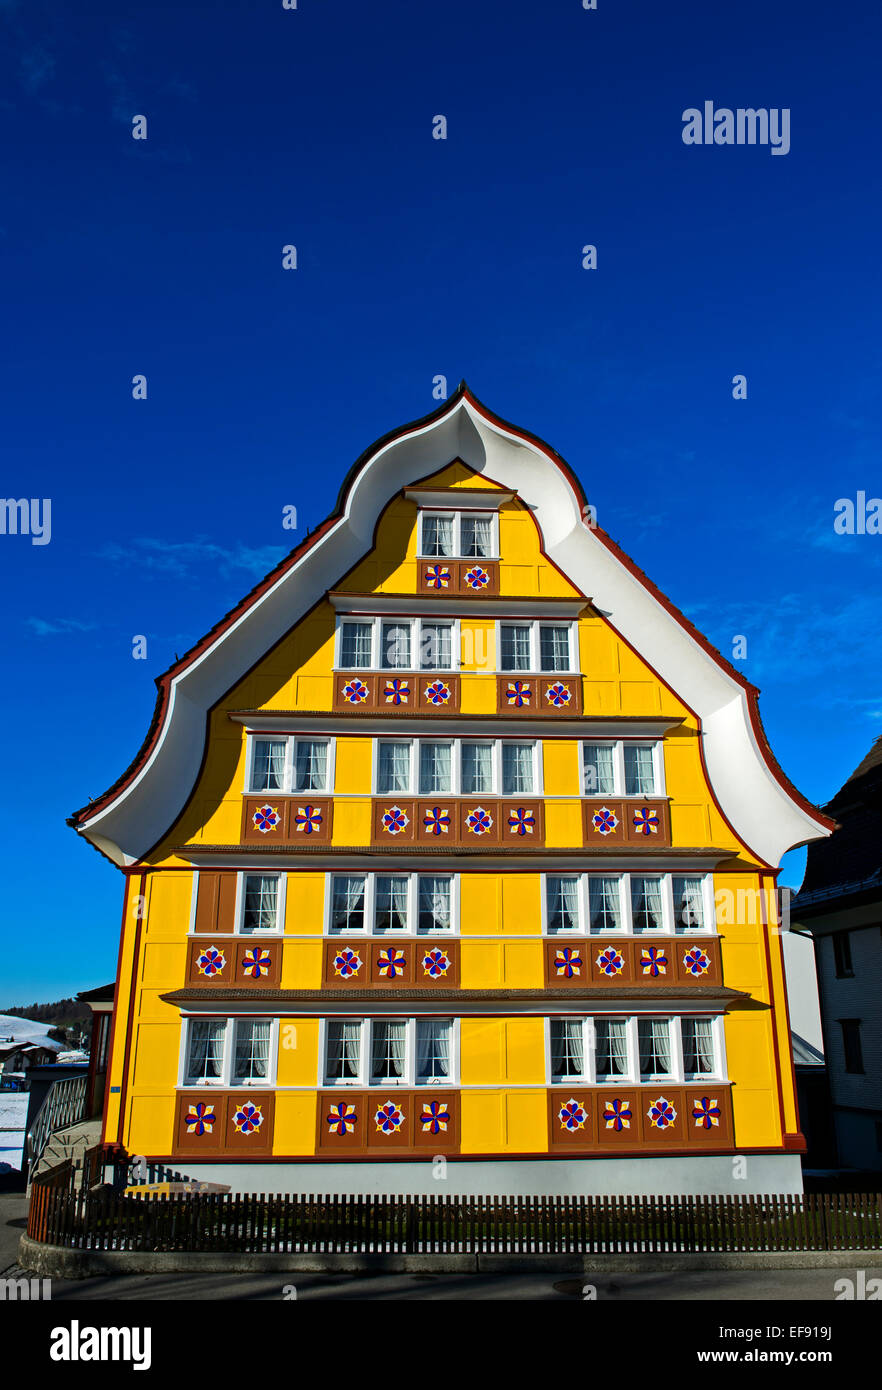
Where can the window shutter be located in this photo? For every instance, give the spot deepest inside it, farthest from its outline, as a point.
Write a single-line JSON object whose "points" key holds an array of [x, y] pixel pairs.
{"points": [[215, 902]]}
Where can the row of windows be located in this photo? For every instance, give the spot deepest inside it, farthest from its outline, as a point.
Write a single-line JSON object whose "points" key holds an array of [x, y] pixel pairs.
{"points": [[455, 766], [625, 903], [425, 1051], [408, 644]]}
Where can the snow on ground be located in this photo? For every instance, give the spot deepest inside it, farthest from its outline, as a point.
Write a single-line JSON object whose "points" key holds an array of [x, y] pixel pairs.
{"points": [[13, 1113]]}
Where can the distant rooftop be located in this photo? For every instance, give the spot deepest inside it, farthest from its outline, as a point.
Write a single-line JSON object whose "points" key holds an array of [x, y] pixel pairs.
{"points": [[848, 865]]}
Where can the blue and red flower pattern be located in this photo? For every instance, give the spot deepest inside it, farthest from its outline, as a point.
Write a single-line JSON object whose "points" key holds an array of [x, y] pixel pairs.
{"points": [[706, 1113], [521, 821], [568, 962], [389, 1118], [437, 576], [479, 821], [437, 693], [248, 1118], [697, 961], [646, 821], [436, 820], [355, 692], [265, 819], [611, 961], [391, 962], [342, 1118], [435, 1117], [395, 821], [308, 820], [558, 694], [617, 1115], [200, 1118], [396, 692], [347, 963], [211, 962], [477, 577], [519, 693], [572, 1116], [256, 962], [436, 963], [661, 1113], [653, 961], [604, 821]]}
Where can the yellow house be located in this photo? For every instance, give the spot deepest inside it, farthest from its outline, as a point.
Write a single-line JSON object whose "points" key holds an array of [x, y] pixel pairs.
{"points": [[451, 856]]}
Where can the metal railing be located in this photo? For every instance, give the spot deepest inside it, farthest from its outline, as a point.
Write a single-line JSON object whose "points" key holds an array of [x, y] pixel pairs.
{"points": [[64, 1105]]}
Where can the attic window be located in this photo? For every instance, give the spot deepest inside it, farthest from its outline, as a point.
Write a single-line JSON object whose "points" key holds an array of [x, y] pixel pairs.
{"points": [[451, 535]]}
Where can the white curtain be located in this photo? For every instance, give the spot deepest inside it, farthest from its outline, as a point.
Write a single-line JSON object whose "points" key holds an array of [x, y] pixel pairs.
{"points": [[515, 648], [434, 768], [311, 767], [477, 769], [639, 778], [355, 645], [261, 901], [433, 1049], [391, 908], [436, 647], [393, 774], [604, 904], [206, 1050], [655, 1046], [395, 654], [434, 904], [268, 773], [252, 1050], [347, 913], [554, 648], [563, 904], [388, 1049], [688, 906], [646, 904], [344, 1049], [698, 1046], [438, 535], [477, 536], [599, 763], [567, 1050], [517, 769]]}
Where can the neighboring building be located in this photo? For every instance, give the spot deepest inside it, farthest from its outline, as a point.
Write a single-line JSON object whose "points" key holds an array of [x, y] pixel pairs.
{"points": [[100, 1001], [24, 1044], [455, 840], [840, 903]]}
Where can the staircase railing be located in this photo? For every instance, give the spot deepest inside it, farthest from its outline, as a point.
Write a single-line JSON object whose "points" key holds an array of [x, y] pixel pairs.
{"points": [[63, 1105]]}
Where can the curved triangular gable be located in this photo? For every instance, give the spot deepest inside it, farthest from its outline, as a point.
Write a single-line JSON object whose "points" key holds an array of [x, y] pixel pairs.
{"points": [[763, 807]]}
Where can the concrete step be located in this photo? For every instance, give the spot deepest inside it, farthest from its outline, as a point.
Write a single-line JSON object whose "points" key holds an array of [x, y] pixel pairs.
{"points": [[70, 1143]]}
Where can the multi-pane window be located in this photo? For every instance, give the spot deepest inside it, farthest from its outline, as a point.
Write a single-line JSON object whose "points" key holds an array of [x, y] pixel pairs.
{"points": [[448, 534], [610, 1049], [343, 1051], [688, 903], [515, 647], [604, 903], [432, 1050], [268, 765], [228, 1052], [402, 644], [389, 1052], [437, 535], [654, 1044], [435, 768], [388, 903], [395, 646], [436, 646], [562, 903], [476, 536], [311, 765], [536, 646], [621, 769], [477, 769], [698, 1048], [205, 1052], [388, 1047], [356, 644], [517, 769], [554, 647], [567, 1049], [393, 767], [260, 902], [647, 913], [454, 767], [251, 1051], [628, 903], [289, 764]]}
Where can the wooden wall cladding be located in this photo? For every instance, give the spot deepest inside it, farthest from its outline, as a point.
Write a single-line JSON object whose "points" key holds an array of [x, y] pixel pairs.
{"points": [[470, 578], [394, 1122], [397, 692], [640, 1119], [649, 959], [612, 821], [271, 819], [244, 961], [532, 696], [216, 1122], [457, 821], [215, 902], [391, 962]]}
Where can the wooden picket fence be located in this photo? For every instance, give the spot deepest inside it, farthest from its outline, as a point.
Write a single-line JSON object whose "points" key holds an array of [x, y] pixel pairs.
{"points": [[276, 1224]]}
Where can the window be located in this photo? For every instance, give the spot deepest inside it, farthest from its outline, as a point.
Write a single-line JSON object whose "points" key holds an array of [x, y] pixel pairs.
{"points": [[698, 1048], [448, 535], [562, 903], [456, 767], [476, 537], [393, 767], [851, 1045], [268, 765], [290, 764], [390, 903], [842, 955], [356, 644], [228, 1052], [514, 647], [347, 903], [654, 1041], [205, 1052], [604, 903], [395, 646], [437, 535], [567, 1049], [435, 768], [433, 1050], [311, 765], [434, 903], [251, 1052], [536, 646], [639, 771], [389, 1052], [646, 904], [688, 903], [343, 1051], [477, 769], [402, 644], [598, 761], [622, 769], [611, 1049], [260, 902], [436, 646], [554, 647], [517, 769]]}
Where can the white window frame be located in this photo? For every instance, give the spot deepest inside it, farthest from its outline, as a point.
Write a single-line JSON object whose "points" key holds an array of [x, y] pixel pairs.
{"points": [[408, 1079], [587, 1077], [239, 912], [225, 1082], [535, 624], [457, 515], [633, 1075], [456, 766], [669, 931], [618, 747], [370, 900], [290, 740], [416, 630]]}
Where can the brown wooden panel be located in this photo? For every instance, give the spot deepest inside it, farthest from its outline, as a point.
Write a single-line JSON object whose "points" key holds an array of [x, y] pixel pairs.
{"points": [[340, 1121], [211, 962], [347, 962], [437, 577], [436, 1126], [618, 1118], [663, 1116], [647, 822], [437, 962], [226, 902], [393, 821], [478, 822], [348, 1124], [604, 821], [697, 961], [572, 1121], [355, 690], [264, 819], [561, 694], [522, 822], [258, 962], [391, 962], [709, 1123], [438, 693], [207, 889], [518, 695], [567, 961], [249, 1127], [477, 577], [390, 1121], [610, 961], [398, 692], [437, 821], [200, 1121], [310, 819], [654, 959]]}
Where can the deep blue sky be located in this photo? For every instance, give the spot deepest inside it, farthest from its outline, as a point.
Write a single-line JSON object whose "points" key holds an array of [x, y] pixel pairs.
{"points": [[418, 257]]}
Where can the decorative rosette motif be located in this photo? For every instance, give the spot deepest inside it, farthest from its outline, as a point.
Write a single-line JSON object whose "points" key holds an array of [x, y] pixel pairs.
{"points": [[568, 962], [391, 962], [646, 821], [248, 1118], [436, 820], [395, 821], [308, 820], [200, 1118], [611, 961], [389, 1118], [435, 1116], [604, 821], [558, 694], [341, 1118], [479, 821], [265, 819], [211, 962], [696, 961], [572, 1116], [437, 577], [706, 1113], [477, 577], [521, 821], [437, 693], [347, 963], [661, 1113], [617, 1115], [436, 963], [519, 693], [355, 692], [653, 961], [256, 962], [396, 692]]}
